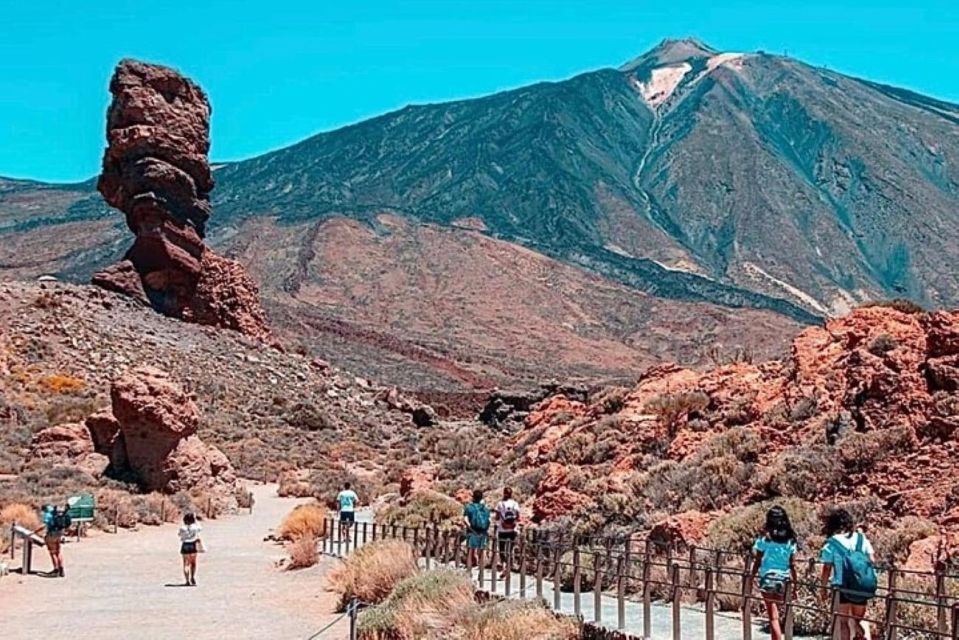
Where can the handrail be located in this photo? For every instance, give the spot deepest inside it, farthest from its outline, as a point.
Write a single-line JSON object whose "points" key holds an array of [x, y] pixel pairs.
{"points": [[620, 567]]}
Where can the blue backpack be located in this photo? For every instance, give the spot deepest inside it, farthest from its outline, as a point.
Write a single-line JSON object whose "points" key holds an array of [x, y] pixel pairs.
{"points": [[479, 518], [855, 573]]}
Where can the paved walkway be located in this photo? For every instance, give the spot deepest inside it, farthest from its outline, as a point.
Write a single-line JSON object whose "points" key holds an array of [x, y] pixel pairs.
{"points": [[124, 586]]}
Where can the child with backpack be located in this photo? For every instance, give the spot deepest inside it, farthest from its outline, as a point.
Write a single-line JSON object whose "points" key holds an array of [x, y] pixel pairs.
{"points": [[774, 554], [507, 527], [849, 568], [476, 517]]}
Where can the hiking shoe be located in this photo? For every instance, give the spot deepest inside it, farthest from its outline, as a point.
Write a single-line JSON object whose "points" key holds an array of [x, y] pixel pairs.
{"points": [[61, 572], [192, 582]]}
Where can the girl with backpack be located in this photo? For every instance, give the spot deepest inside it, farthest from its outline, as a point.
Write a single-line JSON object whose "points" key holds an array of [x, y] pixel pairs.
{"points": [[476, 517], [774, 553], [848, 567]]}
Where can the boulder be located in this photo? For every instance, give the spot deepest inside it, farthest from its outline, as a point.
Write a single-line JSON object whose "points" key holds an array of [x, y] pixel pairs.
{"points": [[680, 531], [157, 423], [554, 498], [69, 442]]}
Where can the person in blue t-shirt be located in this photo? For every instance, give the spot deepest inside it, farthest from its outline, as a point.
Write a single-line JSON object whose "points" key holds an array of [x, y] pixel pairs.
{"points": [[346, 504], [774, 554]]}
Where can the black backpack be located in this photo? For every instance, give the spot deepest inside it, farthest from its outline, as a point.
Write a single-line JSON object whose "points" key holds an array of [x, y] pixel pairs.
{"points": [[61, 521]]}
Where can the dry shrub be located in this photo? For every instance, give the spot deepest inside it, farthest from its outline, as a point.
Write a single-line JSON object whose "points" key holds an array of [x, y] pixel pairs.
{"points": [[372, 571], [129, 510], [861, 451], [424, 509], [306, 520], [673, 408], [22, 514], [899, 304], [422, 605], [515, 620], [892, 544], [611, 400], [303, 552], [61, 383], [290, 486], [737, 530], [803, 472]]}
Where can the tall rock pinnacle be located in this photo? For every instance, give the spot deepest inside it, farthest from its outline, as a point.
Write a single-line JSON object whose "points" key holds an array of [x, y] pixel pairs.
{"points": [[155, 171]]}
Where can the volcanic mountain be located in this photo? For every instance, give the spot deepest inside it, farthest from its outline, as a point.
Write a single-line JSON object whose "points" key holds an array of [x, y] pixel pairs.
{"points": [[688, 199]]}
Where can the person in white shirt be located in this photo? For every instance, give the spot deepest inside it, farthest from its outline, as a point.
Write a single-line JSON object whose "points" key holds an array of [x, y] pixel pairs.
{"points": [[506, 516], [190, 544], [841, 540], [346, 504]]}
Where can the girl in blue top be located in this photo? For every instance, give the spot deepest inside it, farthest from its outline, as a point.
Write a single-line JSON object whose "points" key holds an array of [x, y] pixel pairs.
{"points": [[774, 553]]}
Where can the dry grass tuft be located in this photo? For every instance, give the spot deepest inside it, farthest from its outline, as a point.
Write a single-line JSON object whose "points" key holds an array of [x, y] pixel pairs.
{"points": [[441, 604], [425, 509], [516, 620], [60, 383], [22, 514], [372, 572], [304, 520], [303, 552]]}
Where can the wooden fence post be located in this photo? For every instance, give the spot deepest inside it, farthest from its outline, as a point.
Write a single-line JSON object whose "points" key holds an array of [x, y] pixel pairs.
{"points": [[955, 622], [597, 588], [747, 600], [520, 565], [364, 532], [789, 610], [539, 569], [577, 609], [941, 602], [557, 576], [710, 605], [834, 615], [647, 594], [892, 604], [677, 602], [481, 560], [620, 593]]}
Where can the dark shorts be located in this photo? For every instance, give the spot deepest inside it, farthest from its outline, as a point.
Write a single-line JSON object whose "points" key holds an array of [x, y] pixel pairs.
{"points": [[347, 517], [53, 540], [505, 541], [858, 601], [188, 548]]}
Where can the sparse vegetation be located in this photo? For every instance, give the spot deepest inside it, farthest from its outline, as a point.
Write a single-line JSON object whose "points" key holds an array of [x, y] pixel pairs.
{"points": [[303, 552], [372, 572], [307, 520], [424, 509], [673, 408]]}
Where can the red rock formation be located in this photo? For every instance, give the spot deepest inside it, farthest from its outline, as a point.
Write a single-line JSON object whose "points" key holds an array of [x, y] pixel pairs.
{"points": [[158, 423], [681, 530], [151, 432], [155, 170], [887, 377], [415, 479]]}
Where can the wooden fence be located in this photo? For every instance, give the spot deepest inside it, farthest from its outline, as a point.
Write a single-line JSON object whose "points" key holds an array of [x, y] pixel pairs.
{"points": [[663, 579]]}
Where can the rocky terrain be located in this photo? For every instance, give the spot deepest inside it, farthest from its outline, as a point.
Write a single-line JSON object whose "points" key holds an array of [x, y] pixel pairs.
{"points": [[80, 365], [863, 412], [689, 188]]}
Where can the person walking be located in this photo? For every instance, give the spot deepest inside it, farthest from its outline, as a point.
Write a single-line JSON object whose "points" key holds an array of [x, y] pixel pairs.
{"points": [[773, 562], [506, 516], [55, 524], [476, 518], [849, 568], [346, 505], [190, 546]]}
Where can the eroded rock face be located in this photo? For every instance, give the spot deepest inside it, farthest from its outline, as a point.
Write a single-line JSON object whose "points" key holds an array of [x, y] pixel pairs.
{"points": [[155, 170]]}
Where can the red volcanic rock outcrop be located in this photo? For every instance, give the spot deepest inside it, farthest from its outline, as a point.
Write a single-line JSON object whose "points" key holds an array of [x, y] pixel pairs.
{"points": [[417, 479], [158, 423], [682, 530], [150, 432], [155, 170], [554, 498], [865, 407]]}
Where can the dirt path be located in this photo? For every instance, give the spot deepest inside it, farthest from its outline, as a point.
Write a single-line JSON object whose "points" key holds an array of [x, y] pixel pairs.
{"points": [[123, 586]]}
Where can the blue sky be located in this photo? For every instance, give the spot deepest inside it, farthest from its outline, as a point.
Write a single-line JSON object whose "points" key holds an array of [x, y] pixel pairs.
{"points": [[277, 72]]}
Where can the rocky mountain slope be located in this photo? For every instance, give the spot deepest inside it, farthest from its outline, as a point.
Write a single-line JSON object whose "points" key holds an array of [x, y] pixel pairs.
{"points": [[744, 189]]}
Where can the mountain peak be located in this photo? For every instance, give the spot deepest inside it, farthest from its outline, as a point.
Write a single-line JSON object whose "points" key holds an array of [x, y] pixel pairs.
{"points": [[671, 51]]}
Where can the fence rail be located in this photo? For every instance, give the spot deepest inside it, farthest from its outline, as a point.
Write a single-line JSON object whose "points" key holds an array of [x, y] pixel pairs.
{"points": [[697, 588]]}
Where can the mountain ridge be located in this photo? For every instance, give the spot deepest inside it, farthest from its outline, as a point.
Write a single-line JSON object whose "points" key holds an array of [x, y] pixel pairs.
{"points": [[744, 181]]}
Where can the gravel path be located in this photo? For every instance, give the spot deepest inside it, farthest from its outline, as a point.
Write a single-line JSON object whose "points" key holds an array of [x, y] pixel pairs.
{"points": [[125, 586]]}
